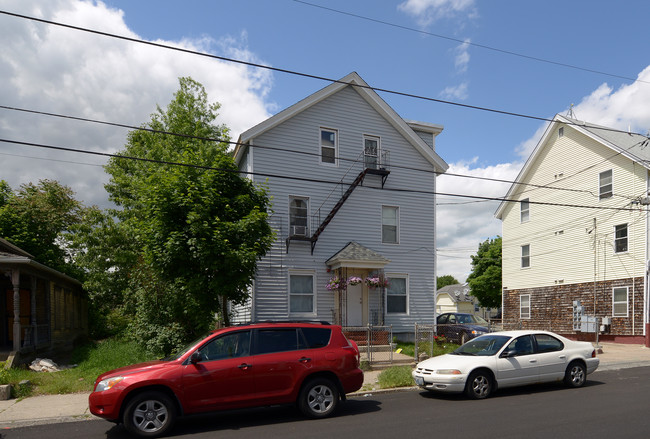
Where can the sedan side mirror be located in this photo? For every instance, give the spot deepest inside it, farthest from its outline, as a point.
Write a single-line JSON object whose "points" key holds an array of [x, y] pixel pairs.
{"points": [[509, 353], [195, 357]]}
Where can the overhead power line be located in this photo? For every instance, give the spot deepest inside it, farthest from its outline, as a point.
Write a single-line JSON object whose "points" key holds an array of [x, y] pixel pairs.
{"points": [[276, 69], [304, 179], [315, 154], [469, 43]]}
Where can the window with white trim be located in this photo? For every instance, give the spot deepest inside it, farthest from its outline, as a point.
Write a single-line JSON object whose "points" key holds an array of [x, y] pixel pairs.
{"points": [[298, 216], [301, 293], [605, 187], [620, 238], [329, 146], [620, 301], [371, 152], [525, 209], [525, 256], [397, 294], [524, 306], [389, 225]]}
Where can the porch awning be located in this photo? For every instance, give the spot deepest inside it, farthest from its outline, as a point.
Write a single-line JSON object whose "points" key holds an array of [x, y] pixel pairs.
{"points": [[355, 255]]}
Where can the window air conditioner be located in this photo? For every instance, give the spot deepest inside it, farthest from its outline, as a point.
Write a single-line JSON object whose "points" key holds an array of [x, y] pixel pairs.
{"points": [[298, 230]]}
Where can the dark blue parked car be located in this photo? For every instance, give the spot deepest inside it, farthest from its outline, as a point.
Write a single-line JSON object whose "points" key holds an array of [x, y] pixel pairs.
{"points": [[460, 327]]}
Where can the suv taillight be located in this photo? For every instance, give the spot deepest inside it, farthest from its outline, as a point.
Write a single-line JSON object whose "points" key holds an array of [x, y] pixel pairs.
{"points": [[354, 346]]}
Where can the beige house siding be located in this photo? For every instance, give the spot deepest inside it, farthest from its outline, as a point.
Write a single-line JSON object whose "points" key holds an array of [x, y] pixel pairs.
{"points": [[561, 247]]}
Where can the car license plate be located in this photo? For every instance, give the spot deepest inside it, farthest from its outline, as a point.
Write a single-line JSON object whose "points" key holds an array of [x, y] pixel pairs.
{"points": [[419, 381]]}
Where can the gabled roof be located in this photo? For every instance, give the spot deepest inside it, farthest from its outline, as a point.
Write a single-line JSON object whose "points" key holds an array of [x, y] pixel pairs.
{"points": [[630, 145], [370, 96], [356, 255], [457, 292]]}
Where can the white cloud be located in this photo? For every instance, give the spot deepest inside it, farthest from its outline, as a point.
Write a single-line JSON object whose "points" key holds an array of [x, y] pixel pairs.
{"points": [[466, 222], [58, 70], [462, 56], [455, 92], [428, 11]]}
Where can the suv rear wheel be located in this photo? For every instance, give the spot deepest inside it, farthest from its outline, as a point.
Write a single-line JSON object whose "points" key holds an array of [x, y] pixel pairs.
{"points": [[149, 414], [318, 398]]}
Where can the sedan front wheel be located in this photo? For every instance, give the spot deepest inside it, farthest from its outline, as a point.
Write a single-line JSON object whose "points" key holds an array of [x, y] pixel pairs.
{"points": [[479, 385]]}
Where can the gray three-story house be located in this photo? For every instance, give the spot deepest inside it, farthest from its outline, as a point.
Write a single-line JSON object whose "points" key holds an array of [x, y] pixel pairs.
{"points": [[354, 209]]}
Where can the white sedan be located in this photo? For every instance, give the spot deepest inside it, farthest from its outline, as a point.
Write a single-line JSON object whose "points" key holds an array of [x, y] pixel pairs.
{"points": [[506, 359]]}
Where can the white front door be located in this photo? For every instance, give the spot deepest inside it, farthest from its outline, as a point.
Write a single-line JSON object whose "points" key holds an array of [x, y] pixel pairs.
{"points": [[355, 305]]}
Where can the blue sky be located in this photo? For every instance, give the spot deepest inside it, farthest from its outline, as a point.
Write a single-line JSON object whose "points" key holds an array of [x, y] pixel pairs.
{"points": [[64, 71]]}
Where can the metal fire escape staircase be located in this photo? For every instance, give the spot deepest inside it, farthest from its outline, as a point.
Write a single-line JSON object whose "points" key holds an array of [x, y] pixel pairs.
{"points": [[383, 173]]}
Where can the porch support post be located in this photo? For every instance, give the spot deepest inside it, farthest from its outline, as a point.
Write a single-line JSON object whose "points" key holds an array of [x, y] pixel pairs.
{"points": [[33, 311], [15, 281]]}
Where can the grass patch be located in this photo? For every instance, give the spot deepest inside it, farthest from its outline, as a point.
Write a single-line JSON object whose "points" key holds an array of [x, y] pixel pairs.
{"points": [[425, 347], [92, 359], [397, 376]]}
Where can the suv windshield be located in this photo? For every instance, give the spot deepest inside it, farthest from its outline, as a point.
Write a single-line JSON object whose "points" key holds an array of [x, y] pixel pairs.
{"points": [[484, 345]]}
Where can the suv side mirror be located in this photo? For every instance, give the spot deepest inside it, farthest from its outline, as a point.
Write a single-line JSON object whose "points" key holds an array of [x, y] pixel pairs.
{"points": [[195, 357]]}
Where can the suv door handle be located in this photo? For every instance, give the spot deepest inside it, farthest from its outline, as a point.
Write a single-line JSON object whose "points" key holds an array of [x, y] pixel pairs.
{"points": [[305, 360], [244, 366]]}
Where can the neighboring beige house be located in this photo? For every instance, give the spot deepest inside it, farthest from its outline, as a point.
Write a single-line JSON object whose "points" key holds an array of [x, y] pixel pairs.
{"points": [[575, 232], [454, 298], [42, 311]]}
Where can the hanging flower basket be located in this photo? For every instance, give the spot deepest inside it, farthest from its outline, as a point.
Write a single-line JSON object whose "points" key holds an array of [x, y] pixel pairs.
{"points": [[334, 283], [354, 280], [376, 282]]}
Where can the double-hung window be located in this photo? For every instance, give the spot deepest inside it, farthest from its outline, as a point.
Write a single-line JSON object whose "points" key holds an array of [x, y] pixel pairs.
{"points": [[605, 185], [329, 146], [301, 293], [524, 306], [525, 210], [397, 295], [619, 301], [620, 238], [298, 216], [525, 256], [389, 225]]}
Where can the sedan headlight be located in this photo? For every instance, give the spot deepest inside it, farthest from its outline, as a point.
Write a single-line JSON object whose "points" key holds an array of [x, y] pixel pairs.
{"points": [[107, 383], [448, 372]]}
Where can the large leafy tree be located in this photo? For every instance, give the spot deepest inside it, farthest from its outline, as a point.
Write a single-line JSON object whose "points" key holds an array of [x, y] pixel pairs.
{"points": [[39, 218], [485, 278], [447, 279], [196, 226]]}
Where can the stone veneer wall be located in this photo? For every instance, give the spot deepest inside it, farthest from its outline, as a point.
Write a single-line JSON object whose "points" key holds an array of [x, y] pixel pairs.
{"points": [[552, 307]]}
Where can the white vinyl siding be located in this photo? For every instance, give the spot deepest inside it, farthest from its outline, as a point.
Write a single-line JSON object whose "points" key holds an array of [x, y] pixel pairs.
{"points": [[569, 255], [524, 306], [619, 302]]}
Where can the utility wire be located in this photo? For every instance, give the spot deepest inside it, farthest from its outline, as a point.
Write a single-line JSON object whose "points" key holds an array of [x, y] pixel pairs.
{"points": [[276, 69], [469, 43], [219, 140], [313, 180]]}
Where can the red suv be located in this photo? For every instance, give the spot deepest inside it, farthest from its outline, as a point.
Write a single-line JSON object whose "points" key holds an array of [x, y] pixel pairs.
{"points": [[311, 364]]}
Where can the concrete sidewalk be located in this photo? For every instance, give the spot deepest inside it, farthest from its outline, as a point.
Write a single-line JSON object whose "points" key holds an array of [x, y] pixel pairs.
{"points": [[74, 407]]}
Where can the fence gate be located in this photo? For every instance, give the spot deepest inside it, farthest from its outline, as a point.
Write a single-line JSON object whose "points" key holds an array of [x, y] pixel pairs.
{"points": [[375, 342], [424, 336]]}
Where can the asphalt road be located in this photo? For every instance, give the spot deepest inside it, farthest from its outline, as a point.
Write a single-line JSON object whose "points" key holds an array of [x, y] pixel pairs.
{"points": [[612, 404]]}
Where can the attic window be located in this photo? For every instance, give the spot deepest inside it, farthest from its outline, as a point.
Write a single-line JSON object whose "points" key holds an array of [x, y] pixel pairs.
{"points": [[560, 132]]}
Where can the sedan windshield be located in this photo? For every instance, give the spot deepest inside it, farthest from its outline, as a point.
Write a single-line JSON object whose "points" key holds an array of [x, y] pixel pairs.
{"points": [[484, 345], [469, 319]]}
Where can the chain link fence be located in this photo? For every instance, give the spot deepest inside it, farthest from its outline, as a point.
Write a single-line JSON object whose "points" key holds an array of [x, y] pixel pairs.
{"points": [[375, 342]]}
